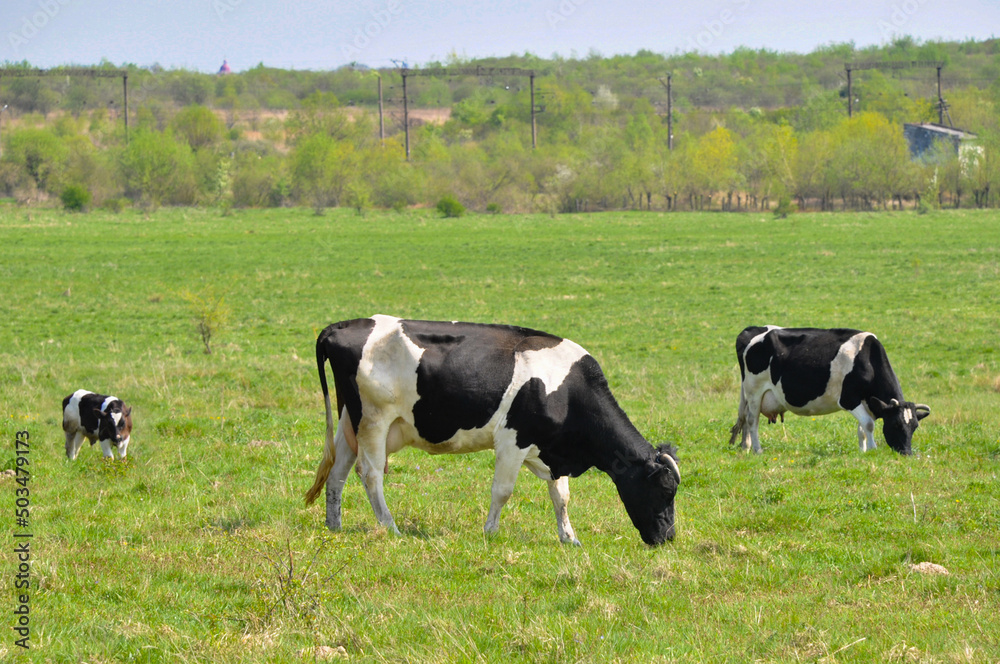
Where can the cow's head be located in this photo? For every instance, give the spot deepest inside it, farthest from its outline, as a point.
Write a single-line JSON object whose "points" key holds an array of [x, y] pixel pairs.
{"points": [[899, 421], [647, 489], [115, 424]]}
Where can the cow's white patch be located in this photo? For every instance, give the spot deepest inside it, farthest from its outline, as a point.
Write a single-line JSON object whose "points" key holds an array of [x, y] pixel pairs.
{"points": [[71, 414], [551, 365], [107, 402], [387, 373], [907, 415]]}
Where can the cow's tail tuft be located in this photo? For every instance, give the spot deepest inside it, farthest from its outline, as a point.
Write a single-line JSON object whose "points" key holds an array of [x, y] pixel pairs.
{"points": [[329, 448], [736, 431]]}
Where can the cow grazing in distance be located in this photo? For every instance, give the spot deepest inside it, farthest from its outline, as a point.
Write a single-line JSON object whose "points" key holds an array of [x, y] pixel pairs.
{"points": [[811, 371], [96, 417], [449, 388]]}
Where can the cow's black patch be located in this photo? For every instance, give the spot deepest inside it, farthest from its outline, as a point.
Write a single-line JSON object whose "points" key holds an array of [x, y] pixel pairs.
{"points": [[742, 341], [342, 344], [572, 426], [464, 372], [800, 358]]}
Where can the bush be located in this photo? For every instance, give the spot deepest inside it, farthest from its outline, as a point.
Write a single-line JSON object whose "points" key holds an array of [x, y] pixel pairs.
{"points": [[494, 208], [116, 205], [157, 169], [450, 207], [785, 207], [75, 198]]}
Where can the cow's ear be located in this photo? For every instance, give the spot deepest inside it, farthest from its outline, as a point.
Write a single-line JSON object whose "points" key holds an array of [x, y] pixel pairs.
{"points": [[923, 410], [128, 411], [877, 406]]}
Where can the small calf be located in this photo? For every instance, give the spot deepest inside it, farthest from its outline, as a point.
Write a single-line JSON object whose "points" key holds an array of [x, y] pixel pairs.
{"points": [[96, 417]]}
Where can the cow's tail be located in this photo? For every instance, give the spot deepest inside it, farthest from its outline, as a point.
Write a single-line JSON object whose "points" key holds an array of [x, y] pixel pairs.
{"points": [[329, 448], [741, 419]]}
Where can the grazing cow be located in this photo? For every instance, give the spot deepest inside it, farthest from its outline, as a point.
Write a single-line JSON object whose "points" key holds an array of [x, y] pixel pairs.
{"points": [[452, 388], [811, 371], [96, 417]]}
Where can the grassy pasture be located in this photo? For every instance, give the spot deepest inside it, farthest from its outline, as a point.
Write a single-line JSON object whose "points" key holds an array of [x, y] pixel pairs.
{"points": [[199, 548]]}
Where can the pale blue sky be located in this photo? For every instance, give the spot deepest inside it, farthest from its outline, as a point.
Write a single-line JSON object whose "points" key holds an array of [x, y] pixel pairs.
{"points": [[198, 34]]}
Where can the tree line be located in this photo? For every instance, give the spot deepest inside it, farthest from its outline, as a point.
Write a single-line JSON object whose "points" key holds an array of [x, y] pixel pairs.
{"points": [[603, 142]]}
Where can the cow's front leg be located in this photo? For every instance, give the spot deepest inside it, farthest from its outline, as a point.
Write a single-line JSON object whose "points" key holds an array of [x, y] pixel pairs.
{"points": [[509, 458], [866, 427], [559, 493], [343, 462], [371, 467], [106, 449]]}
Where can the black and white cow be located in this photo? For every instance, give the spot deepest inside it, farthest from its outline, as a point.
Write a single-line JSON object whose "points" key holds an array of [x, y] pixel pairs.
{"points": [[811, 371], [96, 417], [452, 388]]}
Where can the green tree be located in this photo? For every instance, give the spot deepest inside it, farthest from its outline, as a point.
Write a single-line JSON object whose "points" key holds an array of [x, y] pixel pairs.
{"points": [[715, 163], [198, 125], [871, 160], [321, 169], [39, 155], [814, 177], [158, 169]]}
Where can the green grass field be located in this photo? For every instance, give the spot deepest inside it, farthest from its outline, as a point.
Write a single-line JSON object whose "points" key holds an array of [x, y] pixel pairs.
{"points": [[199, 548]]}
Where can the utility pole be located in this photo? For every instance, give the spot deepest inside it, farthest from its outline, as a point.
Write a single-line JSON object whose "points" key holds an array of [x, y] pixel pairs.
{"points": [[894, 64], [850, 94], [381, 122], [670, 113], [940, 99], [464, 71], [406, 117], [534, 133], [1, 124], [668, 84], [125, 86]]}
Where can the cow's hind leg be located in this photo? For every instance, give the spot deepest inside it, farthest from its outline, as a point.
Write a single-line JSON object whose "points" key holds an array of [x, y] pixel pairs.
{"points": [[74, 440], [751, 436], [509, 458], [342, 465], [371, 467]]}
